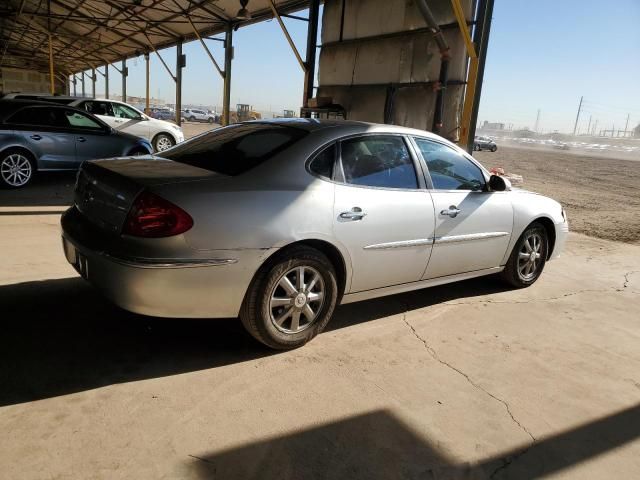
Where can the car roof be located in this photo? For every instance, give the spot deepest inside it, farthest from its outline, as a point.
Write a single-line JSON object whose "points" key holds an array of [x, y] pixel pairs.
{"points": [[9, 106]]}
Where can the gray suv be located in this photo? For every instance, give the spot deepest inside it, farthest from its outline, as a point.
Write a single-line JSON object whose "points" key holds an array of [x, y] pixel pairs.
{"points": [[41, 136], [484, 143]]}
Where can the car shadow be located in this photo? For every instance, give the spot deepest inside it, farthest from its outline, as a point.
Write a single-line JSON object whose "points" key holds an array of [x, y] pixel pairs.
{"points": [[46, 189], [61, 336]]}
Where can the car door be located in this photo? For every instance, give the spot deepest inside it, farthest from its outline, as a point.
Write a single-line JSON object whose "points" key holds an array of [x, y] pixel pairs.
{"points": [[472, 225], [130, 120], [91, 138], [43, 129], [383, 213]]}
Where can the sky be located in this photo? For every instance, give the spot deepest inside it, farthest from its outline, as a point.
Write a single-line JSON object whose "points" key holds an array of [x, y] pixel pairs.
{"points": [[543, 55]]}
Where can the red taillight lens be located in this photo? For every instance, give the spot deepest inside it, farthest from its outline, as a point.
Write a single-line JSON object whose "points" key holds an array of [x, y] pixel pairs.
{"points": [[153, 217]]}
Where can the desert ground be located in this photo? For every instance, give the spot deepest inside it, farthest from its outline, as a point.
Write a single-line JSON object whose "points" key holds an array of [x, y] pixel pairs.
{"points": [[600, 195]]}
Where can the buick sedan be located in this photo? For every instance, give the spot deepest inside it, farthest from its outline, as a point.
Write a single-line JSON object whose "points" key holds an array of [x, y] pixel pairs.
{"points": [[278, 222]]}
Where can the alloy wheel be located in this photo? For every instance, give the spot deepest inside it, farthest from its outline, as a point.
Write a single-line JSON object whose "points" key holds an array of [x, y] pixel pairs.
{"points": [[16, 170], [530, 256], [163, 144], [296, 299]]}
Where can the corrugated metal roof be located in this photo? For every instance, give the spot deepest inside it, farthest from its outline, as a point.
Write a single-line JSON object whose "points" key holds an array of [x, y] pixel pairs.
{"points": [[90, 33]]}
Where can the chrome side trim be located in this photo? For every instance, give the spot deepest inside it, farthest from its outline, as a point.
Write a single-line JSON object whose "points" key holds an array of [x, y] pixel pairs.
{"points": [[407, 287], [469, 237], [401, 244], [170, 262]]}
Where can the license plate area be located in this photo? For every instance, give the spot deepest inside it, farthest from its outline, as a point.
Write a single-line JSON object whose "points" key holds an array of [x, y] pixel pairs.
{"points": [[76, 259]]}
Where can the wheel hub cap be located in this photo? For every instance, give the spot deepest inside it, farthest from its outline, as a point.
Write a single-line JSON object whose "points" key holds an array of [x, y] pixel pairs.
{"points": [[300, 300]]}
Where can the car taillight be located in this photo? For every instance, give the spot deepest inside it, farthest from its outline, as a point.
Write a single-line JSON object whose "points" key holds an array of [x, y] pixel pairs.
{"points": [[153, 217]]}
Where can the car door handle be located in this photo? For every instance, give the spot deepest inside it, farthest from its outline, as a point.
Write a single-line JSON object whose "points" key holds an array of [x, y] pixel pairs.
{"points": [[82, 139], [355, 213], [452, 212], [36, 137]]}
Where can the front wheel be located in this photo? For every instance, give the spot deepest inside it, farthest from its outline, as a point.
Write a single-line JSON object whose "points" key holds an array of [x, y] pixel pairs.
{"points": [[291, 299], [494, 148], [162, 142], [192, 119], [210, 120], [16, 169], [528, 258]]}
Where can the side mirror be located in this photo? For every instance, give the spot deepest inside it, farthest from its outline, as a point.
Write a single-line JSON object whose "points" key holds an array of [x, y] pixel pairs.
{"points": [[499, 184]]}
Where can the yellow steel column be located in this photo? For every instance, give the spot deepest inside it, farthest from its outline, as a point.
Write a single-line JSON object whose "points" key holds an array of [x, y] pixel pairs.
{"points": [[51, 75], [472, 75], [146, 59]]}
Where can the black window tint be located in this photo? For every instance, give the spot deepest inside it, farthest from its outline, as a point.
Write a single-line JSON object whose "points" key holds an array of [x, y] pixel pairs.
{"points": [[39, 116], [323, 164], [448, 169], [235, 149], [378, 161]]}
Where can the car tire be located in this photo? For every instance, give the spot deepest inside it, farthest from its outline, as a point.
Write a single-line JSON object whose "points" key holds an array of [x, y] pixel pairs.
{"points": [[521, 270], [162, 142], [210, 120], [277, 312], [476, 148], [192, 119], [17, 168], [494, 148]]}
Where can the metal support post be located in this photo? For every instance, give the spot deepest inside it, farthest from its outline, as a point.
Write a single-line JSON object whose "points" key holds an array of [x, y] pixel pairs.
{"points": [[310, 63], [481, 38], [75, 81], [228, 56], [286, 34], [84, 93], [124, 72], [180, 64], [146, 103], [106, 82], [51, 75], [93, 83]]}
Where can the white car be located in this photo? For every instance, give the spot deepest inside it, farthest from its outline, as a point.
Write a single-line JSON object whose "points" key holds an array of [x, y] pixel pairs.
{"points": [[197, 115], [125, 118]]}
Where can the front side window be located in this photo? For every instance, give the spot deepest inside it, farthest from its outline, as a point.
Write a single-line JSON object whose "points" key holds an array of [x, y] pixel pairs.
{"points": [[124, 111], [235, 149], [449, 170], [80, 120], [378, 161]]}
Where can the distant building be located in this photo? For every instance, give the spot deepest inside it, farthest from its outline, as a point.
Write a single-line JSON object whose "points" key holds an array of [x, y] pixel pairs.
{"points": [[492, 126], [636, 132]]}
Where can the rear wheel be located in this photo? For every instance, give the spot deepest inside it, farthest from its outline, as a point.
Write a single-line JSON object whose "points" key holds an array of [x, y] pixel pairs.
{"points": [[291, 299], [494, 148], [528, 258], [210, 120], [192, 119], [162, 142], [16, 169]]}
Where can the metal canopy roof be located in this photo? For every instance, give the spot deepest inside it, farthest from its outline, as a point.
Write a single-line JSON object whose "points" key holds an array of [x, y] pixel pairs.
{"points": [[90, 33]]}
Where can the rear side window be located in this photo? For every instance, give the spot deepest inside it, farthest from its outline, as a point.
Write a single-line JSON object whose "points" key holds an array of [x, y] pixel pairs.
{"points": [[98, 107], [322, 164], [378, 161], [235, 149], [39, 116]]}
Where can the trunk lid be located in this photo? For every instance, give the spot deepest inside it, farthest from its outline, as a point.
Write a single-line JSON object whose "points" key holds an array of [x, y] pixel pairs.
{"points": [[106, 189]]}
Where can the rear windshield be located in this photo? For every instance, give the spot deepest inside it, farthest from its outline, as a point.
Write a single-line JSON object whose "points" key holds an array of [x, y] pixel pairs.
{"points": [[235, 149]]}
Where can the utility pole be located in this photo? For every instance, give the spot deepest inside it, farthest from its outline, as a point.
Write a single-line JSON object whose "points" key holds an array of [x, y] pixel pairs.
{"points": [[575, 126], [537, 122], [589, 126], [626, 126], [595, 127]]}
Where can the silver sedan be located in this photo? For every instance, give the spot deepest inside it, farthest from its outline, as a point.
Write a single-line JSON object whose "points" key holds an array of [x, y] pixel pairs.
{"points": [[277, 222]]}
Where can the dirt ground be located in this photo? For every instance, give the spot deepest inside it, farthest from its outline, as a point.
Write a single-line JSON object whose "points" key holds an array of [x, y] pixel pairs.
{"points": [[601, 195]]}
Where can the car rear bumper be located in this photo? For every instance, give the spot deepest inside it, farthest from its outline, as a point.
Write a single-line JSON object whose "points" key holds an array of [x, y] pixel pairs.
{"points": [[211, 287]]}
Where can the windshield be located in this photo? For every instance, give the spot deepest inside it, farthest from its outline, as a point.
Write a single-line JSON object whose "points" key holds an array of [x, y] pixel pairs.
{"points": [[235, 149]]}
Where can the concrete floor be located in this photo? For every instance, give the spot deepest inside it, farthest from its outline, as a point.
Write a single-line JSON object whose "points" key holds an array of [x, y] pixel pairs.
{"points": [[461, 381]]}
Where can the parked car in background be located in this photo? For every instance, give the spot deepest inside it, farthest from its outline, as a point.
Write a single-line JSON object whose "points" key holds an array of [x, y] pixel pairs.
{"points": [[42, 136], [163, 113], [484, 143], [280, 221], [197, 115], [125, 118]]}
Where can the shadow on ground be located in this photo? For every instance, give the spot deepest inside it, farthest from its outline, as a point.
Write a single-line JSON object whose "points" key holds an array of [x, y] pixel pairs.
{"points": [[46, 189], [60, 336], [377, 445]]}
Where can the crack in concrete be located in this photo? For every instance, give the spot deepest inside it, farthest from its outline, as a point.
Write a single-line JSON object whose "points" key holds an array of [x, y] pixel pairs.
{"points": [[626, 278], [509, 460]]}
